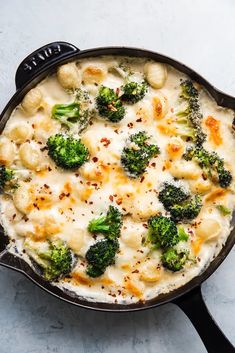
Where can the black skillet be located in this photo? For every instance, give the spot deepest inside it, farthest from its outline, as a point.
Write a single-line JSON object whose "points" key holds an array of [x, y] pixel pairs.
{"points": [[188, 297]]}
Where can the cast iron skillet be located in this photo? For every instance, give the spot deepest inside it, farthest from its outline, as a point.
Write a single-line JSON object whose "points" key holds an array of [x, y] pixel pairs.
{"points": [[188, 297]]}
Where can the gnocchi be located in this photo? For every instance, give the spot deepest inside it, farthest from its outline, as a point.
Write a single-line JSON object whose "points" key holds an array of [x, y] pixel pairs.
{"points": [[208, 229], [32, 101], [68, 76], [156, 74], [30, 156], [20, 133], [93, 74], [7, 151]]}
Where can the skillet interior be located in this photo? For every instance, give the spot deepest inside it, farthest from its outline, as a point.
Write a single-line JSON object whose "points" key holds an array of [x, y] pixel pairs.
{"points": [[11, 261]]}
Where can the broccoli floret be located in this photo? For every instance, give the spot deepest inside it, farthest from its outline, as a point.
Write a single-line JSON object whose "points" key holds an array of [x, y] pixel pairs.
{"points": [[211, 164], [162, 232], [56, 261], [174, 260], [101, 255], [136, 156], [180, 204], [109, 225], [8, 182], [66, 151], [171, 195], [225, 211], [189, 119], [187, 210], [109, 104], [69, 114], [133, 92]]}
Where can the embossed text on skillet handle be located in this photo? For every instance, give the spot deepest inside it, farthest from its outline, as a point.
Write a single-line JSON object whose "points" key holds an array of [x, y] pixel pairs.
{"points": [[41, 60]]}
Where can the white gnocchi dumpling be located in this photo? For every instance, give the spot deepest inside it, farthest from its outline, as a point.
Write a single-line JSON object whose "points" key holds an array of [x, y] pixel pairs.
{"points": [[20, 133], [200, 186], [208, 229], [68, 76], [7, 151], [32, 101], [150, 271], [30, 156], [94, 74], [22, 198], [184, 170], [160, 106], [156, 74], [175, 148]]}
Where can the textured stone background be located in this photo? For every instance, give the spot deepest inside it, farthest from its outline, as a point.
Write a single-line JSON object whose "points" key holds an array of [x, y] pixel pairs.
{"points": [[201, 34]]}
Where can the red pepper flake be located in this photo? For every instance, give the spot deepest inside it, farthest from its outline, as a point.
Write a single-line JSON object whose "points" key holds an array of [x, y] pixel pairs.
{"points": [[49, 169], [46, 186], [153, 164], [111, 198], [14, 216], [145, 225], [130, 125], [163, 168], [105, 141], [118, 91], [116, 131], [95, 159], [76, 175], [139, 120], [142, 179], [81, 182], [91, 203], [119, 201], [135, 271]]}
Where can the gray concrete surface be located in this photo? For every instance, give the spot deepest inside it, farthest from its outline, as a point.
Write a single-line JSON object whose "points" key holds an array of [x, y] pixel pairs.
{"points": [[201, 34]]}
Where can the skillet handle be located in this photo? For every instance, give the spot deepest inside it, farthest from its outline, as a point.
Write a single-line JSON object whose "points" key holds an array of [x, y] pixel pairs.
{"points": [[41, 59], [195, 308]]}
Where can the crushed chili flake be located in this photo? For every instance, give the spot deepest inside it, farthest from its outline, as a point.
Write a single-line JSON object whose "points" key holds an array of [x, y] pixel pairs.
{"points": [[76, 175], [135, 271], [111, 198], [105, 141], [46, 186], [119, 201], [145, 225], [139, 120], [116, 131], [142, 179], [95, 159], [153, 164], [130, 125]]}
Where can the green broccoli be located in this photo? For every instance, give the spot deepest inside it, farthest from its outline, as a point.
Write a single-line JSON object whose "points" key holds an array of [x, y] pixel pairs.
{"points": [[109, 225], [225, 211], [211, 164], [56, 261], [136, 156], [189, 119], [162, 232], [133, 92], [69, 114], [181, 205], [187, 210], [109, 104], [66, 151], [7, 179], [101, 255], [173, 259], [171, 195]]}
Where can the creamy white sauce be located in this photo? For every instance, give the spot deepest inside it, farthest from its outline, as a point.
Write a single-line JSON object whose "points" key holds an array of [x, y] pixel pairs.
{"points": [[67, 218]]}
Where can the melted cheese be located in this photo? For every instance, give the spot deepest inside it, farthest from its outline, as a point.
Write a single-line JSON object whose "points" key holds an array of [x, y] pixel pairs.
{"points": [[59, 204]]}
